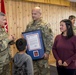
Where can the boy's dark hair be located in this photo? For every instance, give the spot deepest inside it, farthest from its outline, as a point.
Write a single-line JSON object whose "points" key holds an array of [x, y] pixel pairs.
{"points": [[21, 44], [68, 24], [71, 17]]}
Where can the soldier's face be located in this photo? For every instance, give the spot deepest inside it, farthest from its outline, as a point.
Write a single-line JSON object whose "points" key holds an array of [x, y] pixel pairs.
{"points": [[2, 20], [63, 27], [73, 21], [35, 15]]}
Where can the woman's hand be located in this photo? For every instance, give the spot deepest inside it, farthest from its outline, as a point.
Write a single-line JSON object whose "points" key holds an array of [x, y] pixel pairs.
{"points": [[65, 64], [60, 62]]}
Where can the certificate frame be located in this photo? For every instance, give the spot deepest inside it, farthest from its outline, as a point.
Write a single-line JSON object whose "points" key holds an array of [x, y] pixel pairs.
{"points": [[35, 44]]}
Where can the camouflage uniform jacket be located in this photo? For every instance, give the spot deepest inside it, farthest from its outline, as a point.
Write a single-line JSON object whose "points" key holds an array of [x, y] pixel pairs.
{"points": [[46, 33], [4, 48], [74, 29]]}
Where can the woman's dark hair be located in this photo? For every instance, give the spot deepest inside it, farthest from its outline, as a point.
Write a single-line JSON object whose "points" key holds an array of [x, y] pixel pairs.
{"points": [[68, 24], [21, 44]]}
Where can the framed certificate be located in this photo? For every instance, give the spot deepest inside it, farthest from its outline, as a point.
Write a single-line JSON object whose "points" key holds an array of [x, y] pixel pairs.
{"points": [[35, 44]]}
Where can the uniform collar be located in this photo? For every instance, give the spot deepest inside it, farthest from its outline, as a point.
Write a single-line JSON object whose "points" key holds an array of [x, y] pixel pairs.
{"points": [[37, 21]]}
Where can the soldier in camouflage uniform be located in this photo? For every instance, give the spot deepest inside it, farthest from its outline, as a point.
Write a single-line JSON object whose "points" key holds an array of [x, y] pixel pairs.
{"points": [[4, 47], [41, 66], [73, 18]]}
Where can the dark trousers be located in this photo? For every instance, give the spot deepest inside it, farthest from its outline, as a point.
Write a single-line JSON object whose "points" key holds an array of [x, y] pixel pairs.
{"points": [[63, 71]]}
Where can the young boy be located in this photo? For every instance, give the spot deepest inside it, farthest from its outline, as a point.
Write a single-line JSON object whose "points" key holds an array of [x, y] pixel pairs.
{"points": [[22, 62]]}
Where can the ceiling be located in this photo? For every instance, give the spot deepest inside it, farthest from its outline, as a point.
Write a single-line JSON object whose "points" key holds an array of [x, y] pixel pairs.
{"points": [[72, 0]]}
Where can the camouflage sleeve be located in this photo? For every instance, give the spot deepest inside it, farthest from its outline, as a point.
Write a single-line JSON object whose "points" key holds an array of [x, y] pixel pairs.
{"points": [[48, 39], [4, 44], [27, 27]]}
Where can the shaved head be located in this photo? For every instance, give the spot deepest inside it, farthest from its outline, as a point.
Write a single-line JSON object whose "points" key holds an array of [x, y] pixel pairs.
{"points": [[36, 13], [38, 9]]}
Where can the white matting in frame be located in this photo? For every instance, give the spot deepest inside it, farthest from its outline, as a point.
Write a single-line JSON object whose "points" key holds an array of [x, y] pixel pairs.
{"points": [[33, 41]]}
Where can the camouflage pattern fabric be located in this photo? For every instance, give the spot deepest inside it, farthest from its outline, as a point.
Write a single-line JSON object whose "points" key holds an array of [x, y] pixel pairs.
{"points": [[41, 66], [4, 50], [46, 33], [74, 29], [6, 70]]}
